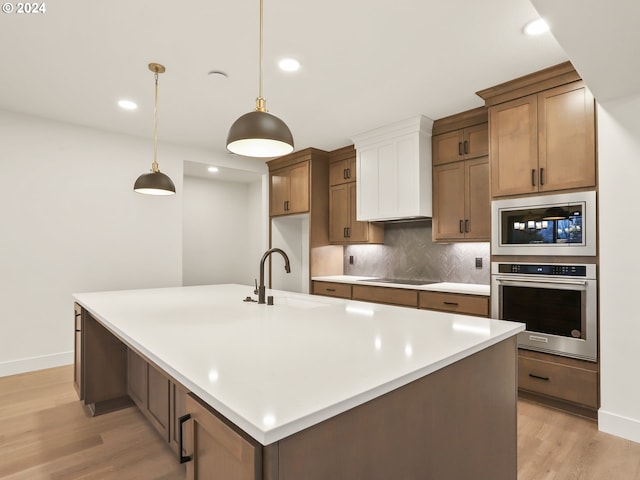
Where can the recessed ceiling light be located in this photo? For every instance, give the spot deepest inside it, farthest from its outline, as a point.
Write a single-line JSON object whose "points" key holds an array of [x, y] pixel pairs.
{"points": [[213, 169], [289, 65], [127, 105], [536, 27]]}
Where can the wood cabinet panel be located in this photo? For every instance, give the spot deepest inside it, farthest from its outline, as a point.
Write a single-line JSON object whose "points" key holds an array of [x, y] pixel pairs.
{"points": [[447, 147], [290, 189], [514, 147], [567, 382], [477, 141], [137, 379], [177, 408], [455, 303], [543, 142], [394, 296], [343, 171], [220, 452], [566, 117], [344, 227], [158, 400], [77, 350], [462, 201], [463, 144], [448, 201], [477, 199], [332, 289]]}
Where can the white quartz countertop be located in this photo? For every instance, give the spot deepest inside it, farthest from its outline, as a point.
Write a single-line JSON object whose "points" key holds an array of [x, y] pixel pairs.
{"points": [[275, 370], [465, 288]]}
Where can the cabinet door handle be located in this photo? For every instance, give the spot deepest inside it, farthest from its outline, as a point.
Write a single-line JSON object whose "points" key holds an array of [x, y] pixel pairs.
{"points": [[546, 379], [455, 304], [348, 173], [182, 420], [466, 226], [344, 173], [286, 205], [459, 148], [466, 147], [533, 177], [348, 232], [461, 230], [541, 176]]}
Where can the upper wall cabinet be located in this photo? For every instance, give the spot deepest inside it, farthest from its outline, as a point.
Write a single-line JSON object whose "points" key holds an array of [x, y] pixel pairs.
{"points": [[461, 199], [542, 133], [289, 189], [394, 171], [343, 225]]}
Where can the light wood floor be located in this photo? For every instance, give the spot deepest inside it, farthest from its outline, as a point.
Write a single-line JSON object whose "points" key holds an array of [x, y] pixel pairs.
{"points": [[45, 434]]}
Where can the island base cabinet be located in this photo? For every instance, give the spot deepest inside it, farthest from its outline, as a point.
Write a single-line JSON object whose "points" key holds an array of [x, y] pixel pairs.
{"points": [[217, 450], [456, 423]]}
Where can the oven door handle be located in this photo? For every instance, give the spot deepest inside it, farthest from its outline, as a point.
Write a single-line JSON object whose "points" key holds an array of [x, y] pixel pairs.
{"points": [[512, 281]]}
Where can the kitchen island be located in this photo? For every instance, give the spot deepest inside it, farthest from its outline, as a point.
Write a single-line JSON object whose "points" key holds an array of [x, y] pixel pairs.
{"points": [[310, 387]]}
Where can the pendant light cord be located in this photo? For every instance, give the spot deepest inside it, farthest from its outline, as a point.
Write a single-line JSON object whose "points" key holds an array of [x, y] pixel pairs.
{"points": [[154, 165], [261, 104]]}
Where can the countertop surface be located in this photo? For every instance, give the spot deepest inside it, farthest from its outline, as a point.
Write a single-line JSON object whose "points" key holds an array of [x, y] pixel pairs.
{"points": [[275, 370], [465, 288]]}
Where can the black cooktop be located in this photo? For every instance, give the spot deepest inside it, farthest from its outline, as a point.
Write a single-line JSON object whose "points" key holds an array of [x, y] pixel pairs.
{"points": [[400, 281]]}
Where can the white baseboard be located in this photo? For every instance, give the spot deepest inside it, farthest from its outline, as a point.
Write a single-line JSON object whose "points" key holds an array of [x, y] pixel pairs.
{"points": [[619, 426], [23, 365]]}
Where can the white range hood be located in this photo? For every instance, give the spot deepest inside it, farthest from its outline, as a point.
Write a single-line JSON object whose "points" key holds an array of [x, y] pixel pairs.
{"points": [[394, 171]]}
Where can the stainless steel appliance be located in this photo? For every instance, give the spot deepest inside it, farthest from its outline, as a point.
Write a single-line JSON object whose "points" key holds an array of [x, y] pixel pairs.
{"points": [[562, 224], [557, 302]]}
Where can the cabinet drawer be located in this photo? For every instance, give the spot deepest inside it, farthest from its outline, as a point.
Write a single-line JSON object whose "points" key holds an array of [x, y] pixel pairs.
{"points": [[574, 384], [393, 296], [455, 303], [332, 289]]}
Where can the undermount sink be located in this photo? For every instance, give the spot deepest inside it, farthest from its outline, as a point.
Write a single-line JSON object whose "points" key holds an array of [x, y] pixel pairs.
{"points": [[399, 281], [296, 302]]}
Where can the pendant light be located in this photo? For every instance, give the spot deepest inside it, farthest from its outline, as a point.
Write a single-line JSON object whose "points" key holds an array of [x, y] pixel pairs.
{"points": [[258, 133], [155, 182]]}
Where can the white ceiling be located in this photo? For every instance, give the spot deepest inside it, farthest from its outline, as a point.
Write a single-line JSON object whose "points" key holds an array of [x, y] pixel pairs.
{"points": [[365, 63]]}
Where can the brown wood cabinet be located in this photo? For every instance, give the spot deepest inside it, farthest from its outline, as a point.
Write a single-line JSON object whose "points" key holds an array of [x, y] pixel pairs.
{"points": [[289, 189], [571, 383], [455, 303], [331, 289], [344, 228], [462, 144], [403, 297], [219, 451], [149, 388], [542, 138], [461, 201], [461, 179], [77, 349]]}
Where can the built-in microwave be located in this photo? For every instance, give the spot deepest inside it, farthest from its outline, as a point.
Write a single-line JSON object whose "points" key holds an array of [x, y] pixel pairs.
{"points": [[560, 224]]}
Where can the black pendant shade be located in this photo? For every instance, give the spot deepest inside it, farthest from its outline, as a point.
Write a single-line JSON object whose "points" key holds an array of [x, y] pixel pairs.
{"points": [[154, 183], [259, 134]]}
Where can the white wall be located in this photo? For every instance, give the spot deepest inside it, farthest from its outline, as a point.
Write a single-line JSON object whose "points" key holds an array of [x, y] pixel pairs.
{"points": [[222, 235], [619, 169], [70, 222]]}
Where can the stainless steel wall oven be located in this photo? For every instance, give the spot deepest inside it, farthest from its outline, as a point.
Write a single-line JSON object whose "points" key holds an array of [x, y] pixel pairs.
{"points": [[557, 302]]}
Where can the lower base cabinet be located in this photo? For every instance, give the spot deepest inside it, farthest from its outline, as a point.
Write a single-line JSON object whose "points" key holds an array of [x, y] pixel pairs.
{"points": [[159, 398], [216, 450], [566, 383]]}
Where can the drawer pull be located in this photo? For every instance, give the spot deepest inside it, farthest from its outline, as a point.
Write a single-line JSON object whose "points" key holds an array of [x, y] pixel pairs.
{"points": [[330, 289], [183, 458], [546, 379], [455, 304]]}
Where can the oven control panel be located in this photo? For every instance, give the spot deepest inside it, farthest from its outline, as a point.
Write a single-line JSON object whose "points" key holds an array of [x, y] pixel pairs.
{"points": [[535, 269]]}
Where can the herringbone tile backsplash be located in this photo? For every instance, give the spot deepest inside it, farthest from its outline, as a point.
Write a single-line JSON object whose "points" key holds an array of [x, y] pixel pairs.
{"points": [[409, 253]]}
